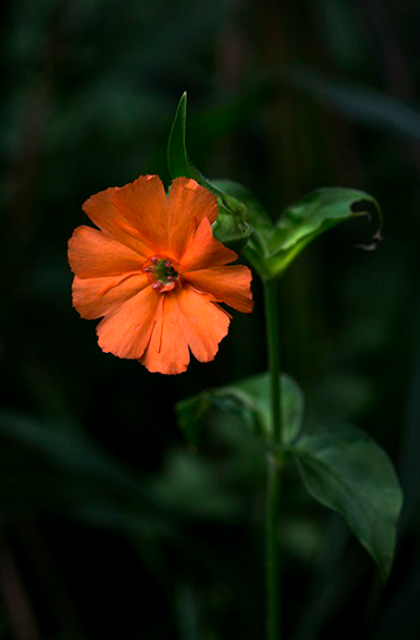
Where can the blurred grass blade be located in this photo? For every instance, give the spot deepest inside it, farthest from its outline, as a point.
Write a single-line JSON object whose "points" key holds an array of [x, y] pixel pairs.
{"points": [[47, 468], [180, 488], [187, 611], [69, 450], [409, 456], [360, 104]]}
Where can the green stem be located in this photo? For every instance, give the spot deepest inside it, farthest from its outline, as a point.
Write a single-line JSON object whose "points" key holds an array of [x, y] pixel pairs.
{"points": [[273, 348], [272, 551], [273, 466]]}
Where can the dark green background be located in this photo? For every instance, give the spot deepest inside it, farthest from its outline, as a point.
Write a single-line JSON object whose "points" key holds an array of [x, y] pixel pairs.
{"points": [[110, 526]]}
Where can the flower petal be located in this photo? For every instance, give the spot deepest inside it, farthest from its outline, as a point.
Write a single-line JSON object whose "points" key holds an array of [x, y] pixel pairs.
{"points": [[143, 204], [206, 324], [126, 331], [188, 204], [203, 250], [229, 284], [96, 297], [167, 351], [103, 212], [137, 222], [92, 254]]}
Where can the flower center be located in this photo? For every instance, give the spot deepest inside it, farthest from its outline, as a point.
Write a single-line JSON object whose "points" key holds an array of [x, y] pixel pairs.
{"points": [[161, 274]]}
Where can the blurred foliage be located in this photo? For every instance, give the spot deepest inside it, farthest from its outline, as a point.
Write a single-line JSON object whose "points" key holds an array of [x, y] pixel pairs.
{"points": [[110, 524]]}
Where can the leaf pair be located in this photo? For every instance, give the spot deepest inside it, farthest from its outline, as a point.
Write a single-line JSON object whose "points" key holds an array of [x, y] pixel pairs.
{"points": [[248, 401], [244, 223], [341, 466]]}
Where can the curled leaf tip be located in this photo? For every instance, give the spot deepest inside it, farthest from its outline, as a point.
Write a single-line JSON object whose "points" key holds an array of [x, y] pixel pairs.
{"points": [[376, 239], [366, 208]]}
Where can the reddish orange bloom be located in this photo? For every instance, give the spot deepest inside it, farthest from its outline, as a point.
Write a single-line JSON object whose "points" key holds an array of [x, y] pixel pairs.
{"points": [[155, 273]]}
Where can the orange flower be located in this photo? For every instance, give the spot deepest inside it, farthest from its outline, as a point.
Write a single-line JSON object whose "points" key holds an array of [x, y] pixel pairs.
{"points": [[156, 274]]}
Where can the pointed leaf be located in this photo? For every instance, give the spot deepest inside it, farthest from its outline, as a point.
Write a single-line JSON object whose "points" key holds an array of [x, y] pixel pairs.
{"points": [[231, 226], [344, 469], [179, 163], [315, 213]]}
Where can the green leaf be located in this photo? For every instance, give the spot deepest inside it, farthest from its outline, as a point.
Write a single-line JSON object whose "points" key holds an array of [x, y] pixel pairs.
{"points": [[312, 215], [247, 401], [344, 469], [231, 226], [179, 163], [271, 249]]}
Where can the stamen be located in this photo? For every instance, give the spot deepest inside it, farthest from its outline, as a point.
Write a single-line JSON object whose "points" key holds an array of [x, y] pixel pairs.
{"points": [[161, 274]]}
